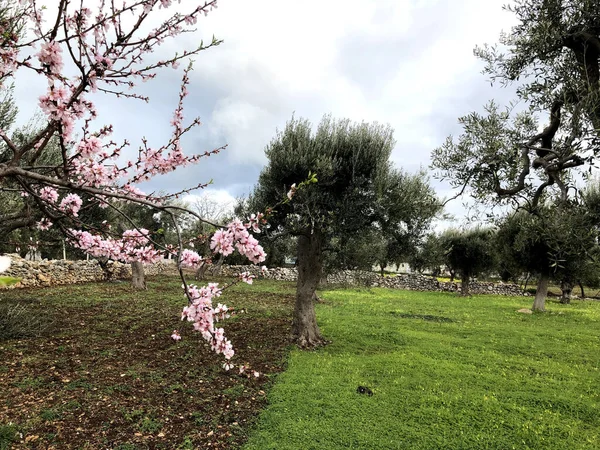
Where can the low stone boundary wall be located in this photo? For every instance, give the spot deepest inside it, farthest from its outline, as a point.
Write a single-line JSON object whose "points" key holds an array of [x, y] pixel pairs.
{"points": [[413, 282], [57, 272]]}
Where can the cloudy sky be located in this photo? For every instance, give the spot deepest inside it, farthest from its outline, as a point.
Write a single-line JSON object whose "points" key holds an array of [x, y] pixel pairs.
{"points": [[408, 63]]}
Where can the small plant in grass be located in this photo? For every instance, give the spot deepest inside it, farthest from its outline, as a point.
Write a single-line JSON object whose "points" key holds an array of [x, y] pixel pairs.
{"points": [[198, 418], [133, 416], [126, 446], [187, 444], [29, 383], [8, 434], [50, 415], [149, 425], [234, 391]]}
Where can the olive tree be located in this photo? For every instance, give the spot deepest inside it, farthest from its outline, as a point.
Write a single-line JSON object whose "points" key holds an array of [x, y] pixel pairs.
{"points": [[470, 253], [504, 156], [349, 160]]}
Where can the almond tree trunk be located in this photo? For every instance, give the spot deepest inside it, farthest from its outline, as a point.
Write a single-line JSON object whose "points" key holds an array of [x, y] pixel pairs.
{"points": [[216, 268], [201, 271], [305, 331], [138, 280], [539, 302]]}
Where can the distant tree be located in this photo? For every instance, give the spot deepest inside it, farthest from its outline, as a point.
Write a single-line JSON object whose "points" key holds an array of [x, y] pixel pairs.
{"points": [[470, 253], [406, 205], [555, 244], [349, 160], [430, 255]]}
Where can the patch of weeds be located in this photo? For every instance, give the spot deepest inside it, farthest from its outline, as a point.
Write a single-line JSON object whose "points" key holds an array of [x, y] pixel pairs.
{"points": [[72, 405], [427, 317], [198, 418], [234, 391], [50, 437], [187, 444], [29, 383], [19, 321], [50, 415], [176, 387], [8, 434], [78, 384], [149, 425], [126, 446], [154, 377], [133, 374], [124, 388], [133, 416]]}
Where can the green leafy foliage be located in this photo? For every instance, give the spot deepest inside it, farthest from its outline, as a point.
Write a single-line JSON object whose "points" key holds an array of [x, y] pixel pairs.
{"points": [[470, 253]]}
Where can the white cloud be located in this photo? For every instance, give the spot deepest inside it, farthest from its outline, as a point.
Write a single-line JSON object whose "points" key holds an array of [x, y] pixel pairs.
{"points": [[404, 62]]}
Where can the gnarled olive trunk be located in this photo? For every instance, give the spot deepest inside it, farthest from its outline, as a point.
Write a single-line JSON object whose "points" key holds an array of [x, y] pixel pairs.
{"points": [[305, 331], [465, 285], [138, 280], [567, 288], [539, 302]]}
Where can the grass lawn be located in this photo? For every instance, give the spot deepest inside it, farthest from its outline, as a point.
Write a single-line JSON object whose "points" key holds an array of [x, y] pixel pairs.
{"points": [[446, 372], [106, 374]]}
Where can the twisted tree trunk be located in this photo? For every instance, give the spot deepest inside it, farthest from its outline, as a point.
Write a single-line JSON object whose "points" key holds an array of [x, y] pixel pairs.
{"points": [[567, 289], [305, 331], [465, 285]]}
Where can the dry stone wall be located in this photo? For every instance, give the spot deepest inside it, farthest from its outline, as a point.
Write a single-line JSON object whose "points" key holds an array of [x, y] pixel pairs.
{"points": [[413, 282], [56, 272]]}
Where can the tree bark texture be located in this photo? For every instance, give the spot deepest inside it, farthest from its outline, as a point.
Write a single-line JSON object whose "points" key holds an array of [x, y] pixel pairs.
{"points": [[305, 331], [138, 280], [539, 302], [567, 289], [201, 272], [465, 285]]}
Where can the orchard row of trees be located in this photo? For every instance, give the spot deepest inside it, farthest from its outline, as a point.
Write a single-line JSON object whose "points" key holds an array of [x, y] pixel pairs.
{"points": [[551, 245], [504, 159], [333, 188]]}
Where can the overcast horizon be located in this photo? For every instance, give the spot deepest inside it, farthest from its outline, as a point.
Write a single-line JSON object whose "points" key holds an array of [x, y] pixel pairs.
{"points": [[406, 63]]}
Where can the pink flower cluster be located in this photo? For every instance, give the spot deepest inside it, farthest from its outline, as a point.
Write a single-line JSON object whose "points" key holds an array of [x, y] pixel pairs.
{"points": [[247, 277], [50, 56], [71, 204], [255, 221], [44, 224], [201, 312], [132, 247], [49, 194], [236, 236], [190, 258]]}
